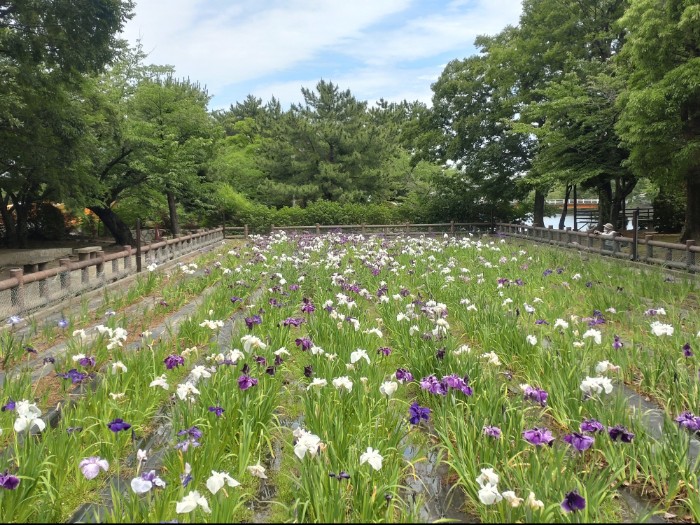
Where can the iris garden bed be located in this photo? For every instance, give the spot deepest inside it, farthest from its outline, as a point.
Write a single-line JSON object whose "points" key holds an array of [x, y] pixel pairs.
{"points": [[318, 377]]}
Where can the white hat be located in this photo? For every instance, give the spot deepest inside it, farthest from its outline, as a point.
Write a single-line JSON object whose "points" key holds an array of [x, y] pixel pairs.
{"points": [[608, 226]]}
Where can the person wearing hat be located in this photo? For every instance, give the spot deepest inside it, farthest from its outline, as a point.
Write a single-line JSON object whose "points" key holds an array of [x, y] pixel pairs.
{"points": [[608, 233]]}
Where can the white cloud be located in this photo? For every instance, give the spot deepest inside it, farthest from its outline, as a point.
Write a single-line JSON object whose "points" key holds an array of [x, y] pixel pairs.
{"points": [[372, 47]]}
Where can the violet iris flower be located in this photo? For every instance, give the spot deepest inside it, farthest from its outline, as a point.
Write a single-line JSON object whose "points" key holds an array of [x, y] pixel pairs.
{"points": [[192, 432], [493, 432], [63, 323], [235, 299], [538, 436], [687, 351], [74, 375], [617, 344], [591, 425], [293, 321], [8, 481], [687, 420], [86, 361], [417, 412], [49, 359], [456, 382], [384, 350], [307, 306], [573, 501], [303, 342], [10, 405], [403, 375], [252, 321], [432, 385], [260, 360], [537, 395], [173, 361], [308, 371], [245, 382], [30, 349], [618, 431], [117, 425], [579, 441]]}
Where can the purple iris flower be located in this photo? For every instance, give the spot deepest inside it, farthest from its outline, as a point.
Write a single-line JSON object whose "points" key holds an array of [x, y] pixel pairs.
{"points": [[278, 360], [270, 370], [403, 375], [192, 432], [173, 361], [404, 292], [245, 382], [49, 359], [70, 430], [458, 383], [274, 302], [8, 481], [579, 441], [252, 321], [547, 272], [86, 361], [573, 501], [307, 306], [618, 431], [541, 321], [293, 287], [117, 425], [591, 425], [493, 432], [686, 420], [303, 342], [538, 436], [537, 395], [503, 280], [384, 350], [417, 412], [235, 299], [217, 410], [520, 282], [560, 270], [186, 444], [432, 385], [687, 351], [293, 321], [185, 479], [74, 375], [440, 354], [10, 405], [260, 360], [62, 323], [617, 344], [30, 349], [308, 371]]}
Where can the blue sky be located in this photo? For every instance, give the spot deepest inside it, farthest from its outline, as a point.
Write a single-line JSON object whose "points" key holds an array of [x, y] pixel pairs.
{"points": [[391, 49]]}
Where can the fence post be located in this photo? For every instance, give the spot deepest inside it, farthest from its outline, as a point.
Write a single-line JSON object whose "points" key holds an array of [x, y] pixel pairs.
{"points": [[245, 231], [138, 245], [17, 293], [650, 249], [318, 229], [568, 235], [65, 275], [452, 227], [690, 256]]}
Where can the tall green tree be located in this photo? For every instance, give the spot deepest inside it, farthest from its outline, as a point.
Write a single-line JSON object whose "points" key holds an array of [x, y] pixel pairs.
{"points": [[660, 120], [170, 121], [47, 47]]}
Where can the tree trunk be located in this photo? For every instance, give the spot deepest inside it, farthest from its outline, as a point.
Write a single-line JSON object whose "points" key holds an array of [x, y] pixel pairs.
{"points": [[565, 209], [604, 204], [119, 230], [172, 207], [623, 187], [691, 228], [538, 211]]}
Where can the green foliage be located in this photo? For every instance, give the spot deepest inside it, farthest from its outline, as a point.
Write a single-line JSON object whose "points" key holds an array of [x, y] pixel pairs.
{"points": [[668, 210]]}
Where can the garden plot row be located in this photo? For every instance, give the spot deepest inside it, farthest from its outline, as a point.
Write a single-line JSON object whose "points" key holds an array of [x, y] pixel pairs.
{"points": [[360, 362]]}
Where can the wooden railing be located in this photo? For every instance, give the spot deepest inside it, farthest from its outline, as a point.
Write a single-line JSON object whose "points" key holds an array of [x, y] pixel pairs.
{"points": [[25, 292], [391, 229]]}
